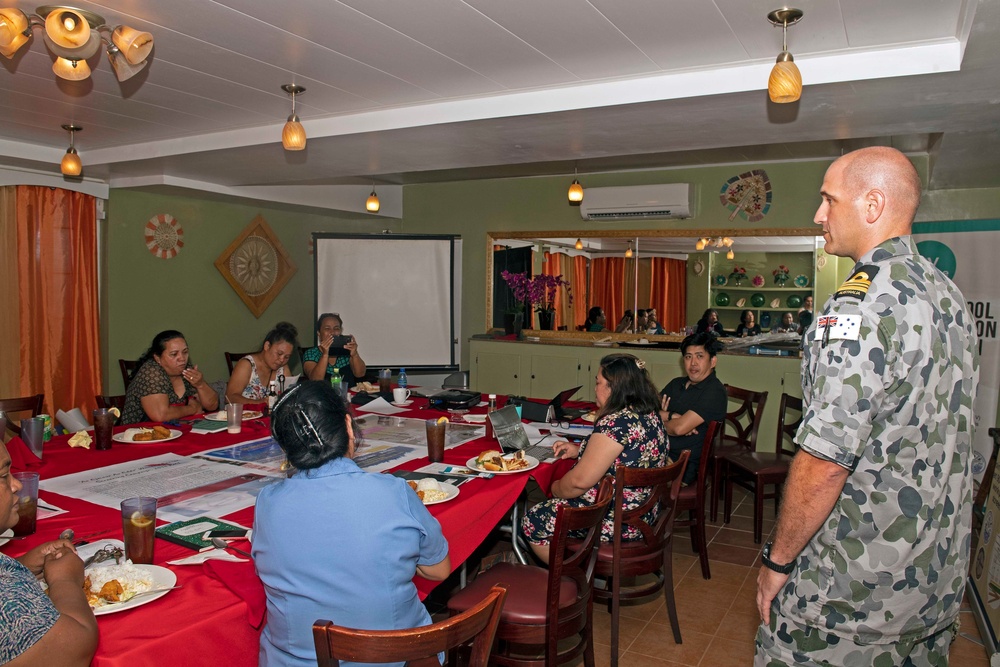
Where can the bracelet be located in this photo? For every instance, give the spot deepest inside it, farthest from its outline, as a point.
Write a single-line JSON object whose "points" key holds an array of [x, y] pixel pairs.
{"points": [[765, 559]]}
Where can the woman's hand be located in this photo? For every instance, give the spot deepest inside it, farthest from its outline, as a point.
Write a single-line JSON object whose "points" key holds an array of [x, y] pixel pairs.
{"points": [[563, 449], [352, 347], [324, 346], [34, 559], [194, 376]]}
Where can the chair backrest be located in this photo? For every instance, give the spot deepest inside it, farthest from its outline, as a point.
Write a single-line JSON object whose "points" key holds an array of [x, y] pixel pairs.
{"points": [[713, 434], [664, 486], [788, 426], [744, 421], [32, 404], [117, 401], [419, 646], [233, 357], [574, 559], [128, 370], [457, 380]]}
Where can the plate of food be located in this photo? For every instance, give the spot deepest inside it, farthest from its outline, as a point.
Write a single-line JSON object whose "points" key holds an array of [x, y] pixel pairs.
{"points": [[154, 434], [366, 387], [495, 462], [758, 281], [432, 492], [5, 536], [589, 417], [119, 587], [220, 416], [801, 281]]}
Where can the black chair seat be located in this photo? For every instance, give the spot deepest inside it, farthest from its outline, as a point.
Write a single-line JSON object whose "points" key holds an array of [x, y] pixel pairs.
{"points": [[760, 463], [523, 604]]}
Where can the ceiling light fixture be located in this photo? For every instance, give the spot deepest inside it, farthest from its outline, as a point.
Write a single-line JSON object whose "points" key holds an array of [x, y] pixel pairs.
{"points": [[373, 204], [579, 244], [785, 82], [73, 36], [575, 194], [717, 242], [628, 253], [71, 164], [293, 135]]}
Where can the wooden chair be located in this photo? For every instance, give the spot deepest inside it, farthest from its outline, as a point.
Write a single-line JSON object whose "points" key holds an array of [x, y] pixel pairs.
{"points": [[738, 435], [546, 608], [233, 357], [755, 471], [32, 404], [117, 401], [693, 496], [652, 554], [128, 369], [418, 646]]}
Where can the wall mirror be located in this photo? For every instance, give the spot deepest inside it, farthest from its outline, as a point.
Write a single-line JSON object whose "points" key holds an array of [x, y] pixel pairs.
{"points": [[674, 244]]}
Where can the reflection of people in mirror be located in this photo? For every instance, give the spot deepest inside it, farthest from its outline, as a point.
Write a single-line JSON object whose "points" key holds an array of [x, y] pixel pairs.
{"points": [[596, 320], [748, 325], [625, 323], [787, 325], [653, 322], [710, 322]]}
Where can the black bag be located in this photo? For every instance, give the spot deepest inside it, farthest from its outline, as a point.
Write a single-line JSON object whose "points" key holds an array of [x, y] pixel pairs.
{"points": [[455, 399]]}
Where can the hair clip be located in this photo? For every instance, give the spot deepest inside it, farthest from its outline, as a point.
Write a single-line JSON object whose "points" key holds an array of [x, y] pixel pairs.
{"points": [[312, 427], [640, 364]]}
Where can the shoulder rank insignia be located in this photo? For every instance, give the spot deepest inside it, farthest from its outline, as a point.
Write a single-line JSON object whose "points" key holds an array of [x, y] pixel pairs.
{"points": [[856, 287]]}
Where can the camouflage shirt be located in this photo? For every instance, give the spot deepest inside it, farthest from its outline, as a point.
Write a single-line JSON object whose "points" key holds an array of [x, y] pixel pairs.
{"points": [[889, 374]]}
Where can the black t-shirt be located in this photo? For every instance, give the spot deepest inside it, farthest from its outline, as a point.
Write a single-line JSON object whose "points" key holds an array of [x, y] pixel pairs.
{"points": [[708, 399]]}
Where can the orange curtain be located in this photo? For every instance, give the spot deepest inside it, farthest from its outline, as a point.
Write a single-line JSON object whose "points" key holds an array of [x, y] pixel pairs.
{"points": [[580, 291], [57, 263], [607, 287], [668, 292], [558, 264]]}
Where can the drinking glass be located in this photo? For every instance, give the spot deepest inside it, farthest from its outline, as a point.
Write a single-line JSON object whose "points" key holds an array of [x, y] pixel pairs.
{"points": [[139, 528], [435, 439], [27, 503], [104, 421], [234, 417], [33, 434]]}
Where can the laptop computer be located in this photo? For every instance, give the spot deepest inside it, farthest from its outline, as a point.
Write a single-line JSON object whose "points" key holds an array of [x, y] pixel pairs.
{"points": [[535, 411], [562, 412], [509, 431]]}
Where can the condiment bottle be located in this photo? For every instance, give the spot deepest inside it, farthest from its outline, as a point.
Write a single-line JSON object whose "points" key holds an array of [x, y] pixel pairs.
{"points": [[491, 407]]}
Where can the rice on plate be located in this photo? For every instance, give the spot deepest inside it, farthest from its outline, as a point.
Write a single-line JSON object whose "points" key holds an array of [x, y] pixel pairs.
{"points": [[131, 579]]}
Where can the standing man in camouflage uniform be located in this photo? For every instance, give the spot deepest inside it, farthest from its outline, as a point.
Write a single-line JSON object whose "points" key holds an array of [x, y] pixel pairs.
{"points": [[871, 553]]}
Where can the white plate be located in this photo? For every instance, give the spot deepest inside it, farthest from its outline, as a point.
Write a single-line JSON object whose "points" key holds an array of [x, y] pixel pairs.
{"points": [[588, 417], [5, 536], [403, 404], [162, 578], [532, 464], [220, 416], [450, 489], [603, 344], [120, 437]]}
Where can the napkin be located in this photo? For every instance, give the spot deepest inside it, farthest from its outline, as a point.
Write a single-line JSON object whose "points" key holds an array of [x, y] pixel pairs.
{"points": [[72, 420], [211, 554], [81, 439], [242, 580]]}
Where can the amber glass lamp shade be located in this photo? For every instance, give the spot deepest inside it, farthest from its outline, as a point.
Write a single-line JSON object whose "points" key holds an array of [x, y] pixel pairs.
{"points": [[134, 44], [293, 135], [785, 82], [71, 70], [71, 165], [575, 193], [67, 28], [13, 23], [373, 204], [730, 254], [579, 244]]}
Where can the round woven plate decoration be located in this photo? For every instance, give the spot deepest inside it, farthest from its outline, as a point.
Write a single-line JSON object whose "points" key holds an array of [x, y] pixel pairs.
{"points": [[164, 236]]}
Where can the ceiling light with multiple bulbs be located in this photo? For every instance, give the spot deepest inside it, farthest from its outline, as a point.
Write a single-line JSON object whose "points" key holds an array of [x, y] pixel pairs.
{"points": [[785, 82], [73, 36], [719, 242]]}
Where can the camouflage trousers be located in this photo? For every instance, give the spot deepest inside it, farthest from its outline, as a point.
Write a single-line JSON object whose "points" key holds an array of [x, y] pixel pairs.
{"points": [[784, 643]]}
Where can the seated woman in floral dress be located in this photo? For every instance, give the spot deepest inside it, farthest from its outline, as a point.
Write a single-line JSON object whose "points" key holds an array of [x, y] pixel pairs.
{"points": [[253, 374]]}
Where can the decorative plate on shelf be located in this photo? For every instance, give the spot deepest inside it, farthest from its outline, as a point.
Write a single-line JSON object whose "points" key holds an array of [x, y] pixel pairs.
{"points": [[801, 281], [698, 268], [758, 280], [720, 279], [742, 302], [794, 301], [722, 299], [757, 299]]}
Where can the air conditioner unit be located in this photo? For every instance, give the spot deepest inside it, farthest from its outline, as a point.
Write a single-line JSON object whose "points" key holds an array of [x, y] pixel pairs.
{"points": [[669, 200]]}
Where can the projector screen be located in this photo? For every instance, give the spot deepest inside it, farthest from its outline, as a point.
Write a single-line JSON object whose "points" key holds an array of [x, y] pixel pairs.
{"points": [[398, 295]]}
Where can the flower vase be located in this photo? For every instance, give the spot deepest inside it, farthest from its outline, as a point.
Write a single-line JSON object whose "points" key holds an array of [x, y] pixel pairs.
{"points": [[738, 280], [780, 281], [512, 323], [546, 320]]}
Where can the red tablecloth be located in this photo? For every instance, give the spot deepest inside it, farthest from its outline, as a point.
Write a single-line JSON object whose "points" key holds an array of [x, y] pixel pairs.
{"points": [[206, 621]]}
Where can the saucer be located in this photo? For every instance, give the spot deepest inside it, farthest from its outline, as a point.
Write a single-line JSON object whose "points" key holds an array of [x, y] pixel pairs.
{"points": [[403, 404]]}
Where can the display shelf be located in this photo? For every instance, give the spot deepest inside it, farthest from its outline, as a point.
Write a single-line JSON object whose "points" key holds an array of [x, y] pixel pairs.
{"points": [[723, 288]]}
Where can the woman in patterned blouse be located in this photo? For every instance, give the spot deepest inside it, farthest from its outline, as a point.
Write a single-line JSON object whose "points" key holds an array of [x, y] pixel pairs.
{"points": [[628, 431], [318, 362], [165, 385], [253, 374]]}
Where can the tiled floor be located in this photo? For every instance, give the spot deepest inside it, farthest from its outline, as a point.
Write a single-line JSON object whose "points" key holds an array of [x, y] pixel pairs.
{"points": [[718, 617]]}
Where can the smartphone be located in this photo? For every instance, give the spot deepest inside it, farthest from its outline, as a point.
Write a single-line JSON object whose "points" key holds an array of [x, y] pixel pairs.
{"points": [[230, 533], [340, 341]]}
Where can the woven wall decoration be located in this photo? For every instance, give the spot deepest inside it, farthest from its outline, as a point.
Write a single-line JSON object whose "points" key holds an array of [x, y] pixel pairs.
{"points": [[747, 195], [256, 265], [164, 236]]}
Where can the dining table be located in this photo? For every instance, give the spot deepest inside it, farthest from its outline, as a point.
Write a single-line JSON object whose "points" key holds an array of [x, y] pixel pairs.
{"points": [[218, 611]]}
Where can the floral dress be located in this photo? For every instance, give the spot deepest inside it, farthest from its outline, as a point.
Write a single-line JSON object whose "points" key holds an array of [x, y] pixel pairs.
{"points": [[255, 389], [644, 445]]}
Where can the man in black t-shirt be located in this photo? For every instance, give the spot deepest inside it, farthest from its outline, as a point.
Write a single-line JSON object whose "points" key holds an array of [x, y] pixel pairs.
{"points": [[692, 400]]}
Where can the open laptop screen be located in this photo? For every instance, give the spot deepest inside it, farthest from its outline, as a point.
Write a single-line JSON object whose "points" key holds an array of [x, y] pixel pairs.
{"points": [[560, 401]]}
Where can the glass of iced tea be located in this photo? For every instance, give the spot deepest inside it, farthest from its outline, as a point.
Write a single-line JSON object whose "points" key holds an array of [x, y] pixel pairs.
{"points": [[139, 528], [27, 503]]}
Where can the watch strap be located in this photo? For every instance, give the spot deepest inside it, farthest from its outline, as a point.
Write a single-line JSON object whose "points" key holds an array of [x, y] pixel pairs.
{"points": [[765, 559]]}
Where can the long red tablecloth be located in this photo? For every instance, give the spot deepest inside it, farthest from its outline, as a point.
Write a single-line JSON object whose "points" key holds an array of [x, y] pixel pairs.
{"points": [[205, 622]]}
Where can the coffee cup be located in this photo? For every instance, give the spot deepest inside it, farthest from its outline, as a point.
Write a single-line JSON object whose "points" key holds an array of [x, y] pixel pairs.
{"points": [[400, 394]]}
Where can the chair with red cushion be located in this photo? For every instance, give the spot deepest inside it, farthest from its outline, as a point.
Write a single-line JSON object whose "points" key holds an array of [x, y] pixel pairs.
{"points": [[652, 553], [693, 496], [755, 471], [32, 404], [739, 434], [418, 646], [547, 607]]}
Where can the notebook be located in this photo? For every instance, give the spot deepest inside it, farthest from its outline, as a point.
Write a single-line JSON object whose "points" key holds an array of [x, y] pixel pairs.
{"points": [[509, 431]]}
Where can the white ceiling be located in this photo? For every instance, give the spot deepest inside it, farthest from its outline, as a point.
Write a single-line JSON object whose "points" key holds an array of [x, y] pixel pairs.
{"points": [[414, 91]]}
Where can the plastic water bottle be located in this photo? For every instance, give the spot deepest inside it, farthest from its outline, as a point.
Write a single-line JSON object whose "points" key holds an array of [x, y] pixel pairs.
{"points": [[401, 380], [335, 379]]}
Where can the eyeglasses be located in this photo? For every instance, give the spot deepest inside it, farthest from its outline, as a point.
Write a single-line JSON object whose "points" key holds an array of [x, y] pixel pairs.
{"points": [[559, 423]]}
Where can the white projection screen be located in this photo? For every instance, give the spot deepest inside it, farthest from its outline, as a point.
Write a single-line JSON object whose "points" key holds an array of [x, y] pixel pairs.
{"points": [[397, 294]]}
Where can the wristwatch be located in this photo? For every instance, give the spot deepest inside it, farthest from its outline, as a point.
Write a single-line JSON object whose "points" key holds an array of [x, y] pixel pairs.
{"points": [[765, 559]]}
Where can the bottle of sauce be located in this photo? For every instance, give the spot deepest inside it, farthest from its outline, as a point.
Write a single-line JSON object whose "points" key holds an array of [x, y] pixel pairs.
{"points": [[491, 407], [272, 396]]}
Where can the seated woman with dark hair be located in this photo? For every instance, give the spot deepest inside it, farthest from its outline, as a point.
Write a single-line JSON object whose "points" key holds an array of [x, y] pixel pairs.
{"points": [[333, 541], [748, 325], [627, 431], [319, 362], [165, 385], [595, 319], [254, 373], [710, 322], [625, 323]]}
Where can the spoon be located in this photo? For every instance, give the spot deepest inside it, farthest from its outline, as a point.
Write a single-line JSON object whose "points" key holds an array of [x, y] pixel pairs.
{"points": [[220, 543]]}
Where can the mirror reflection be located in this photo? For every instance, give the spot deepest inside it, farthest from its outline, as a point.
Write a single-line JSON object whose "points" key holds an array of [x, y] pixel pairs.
{"points": [[676, 274]]}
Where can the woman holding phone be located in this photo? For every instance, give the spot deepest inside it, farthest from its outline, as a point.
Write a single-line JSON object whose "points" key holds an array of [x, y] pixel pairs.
{"points": [[333, 350]]}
